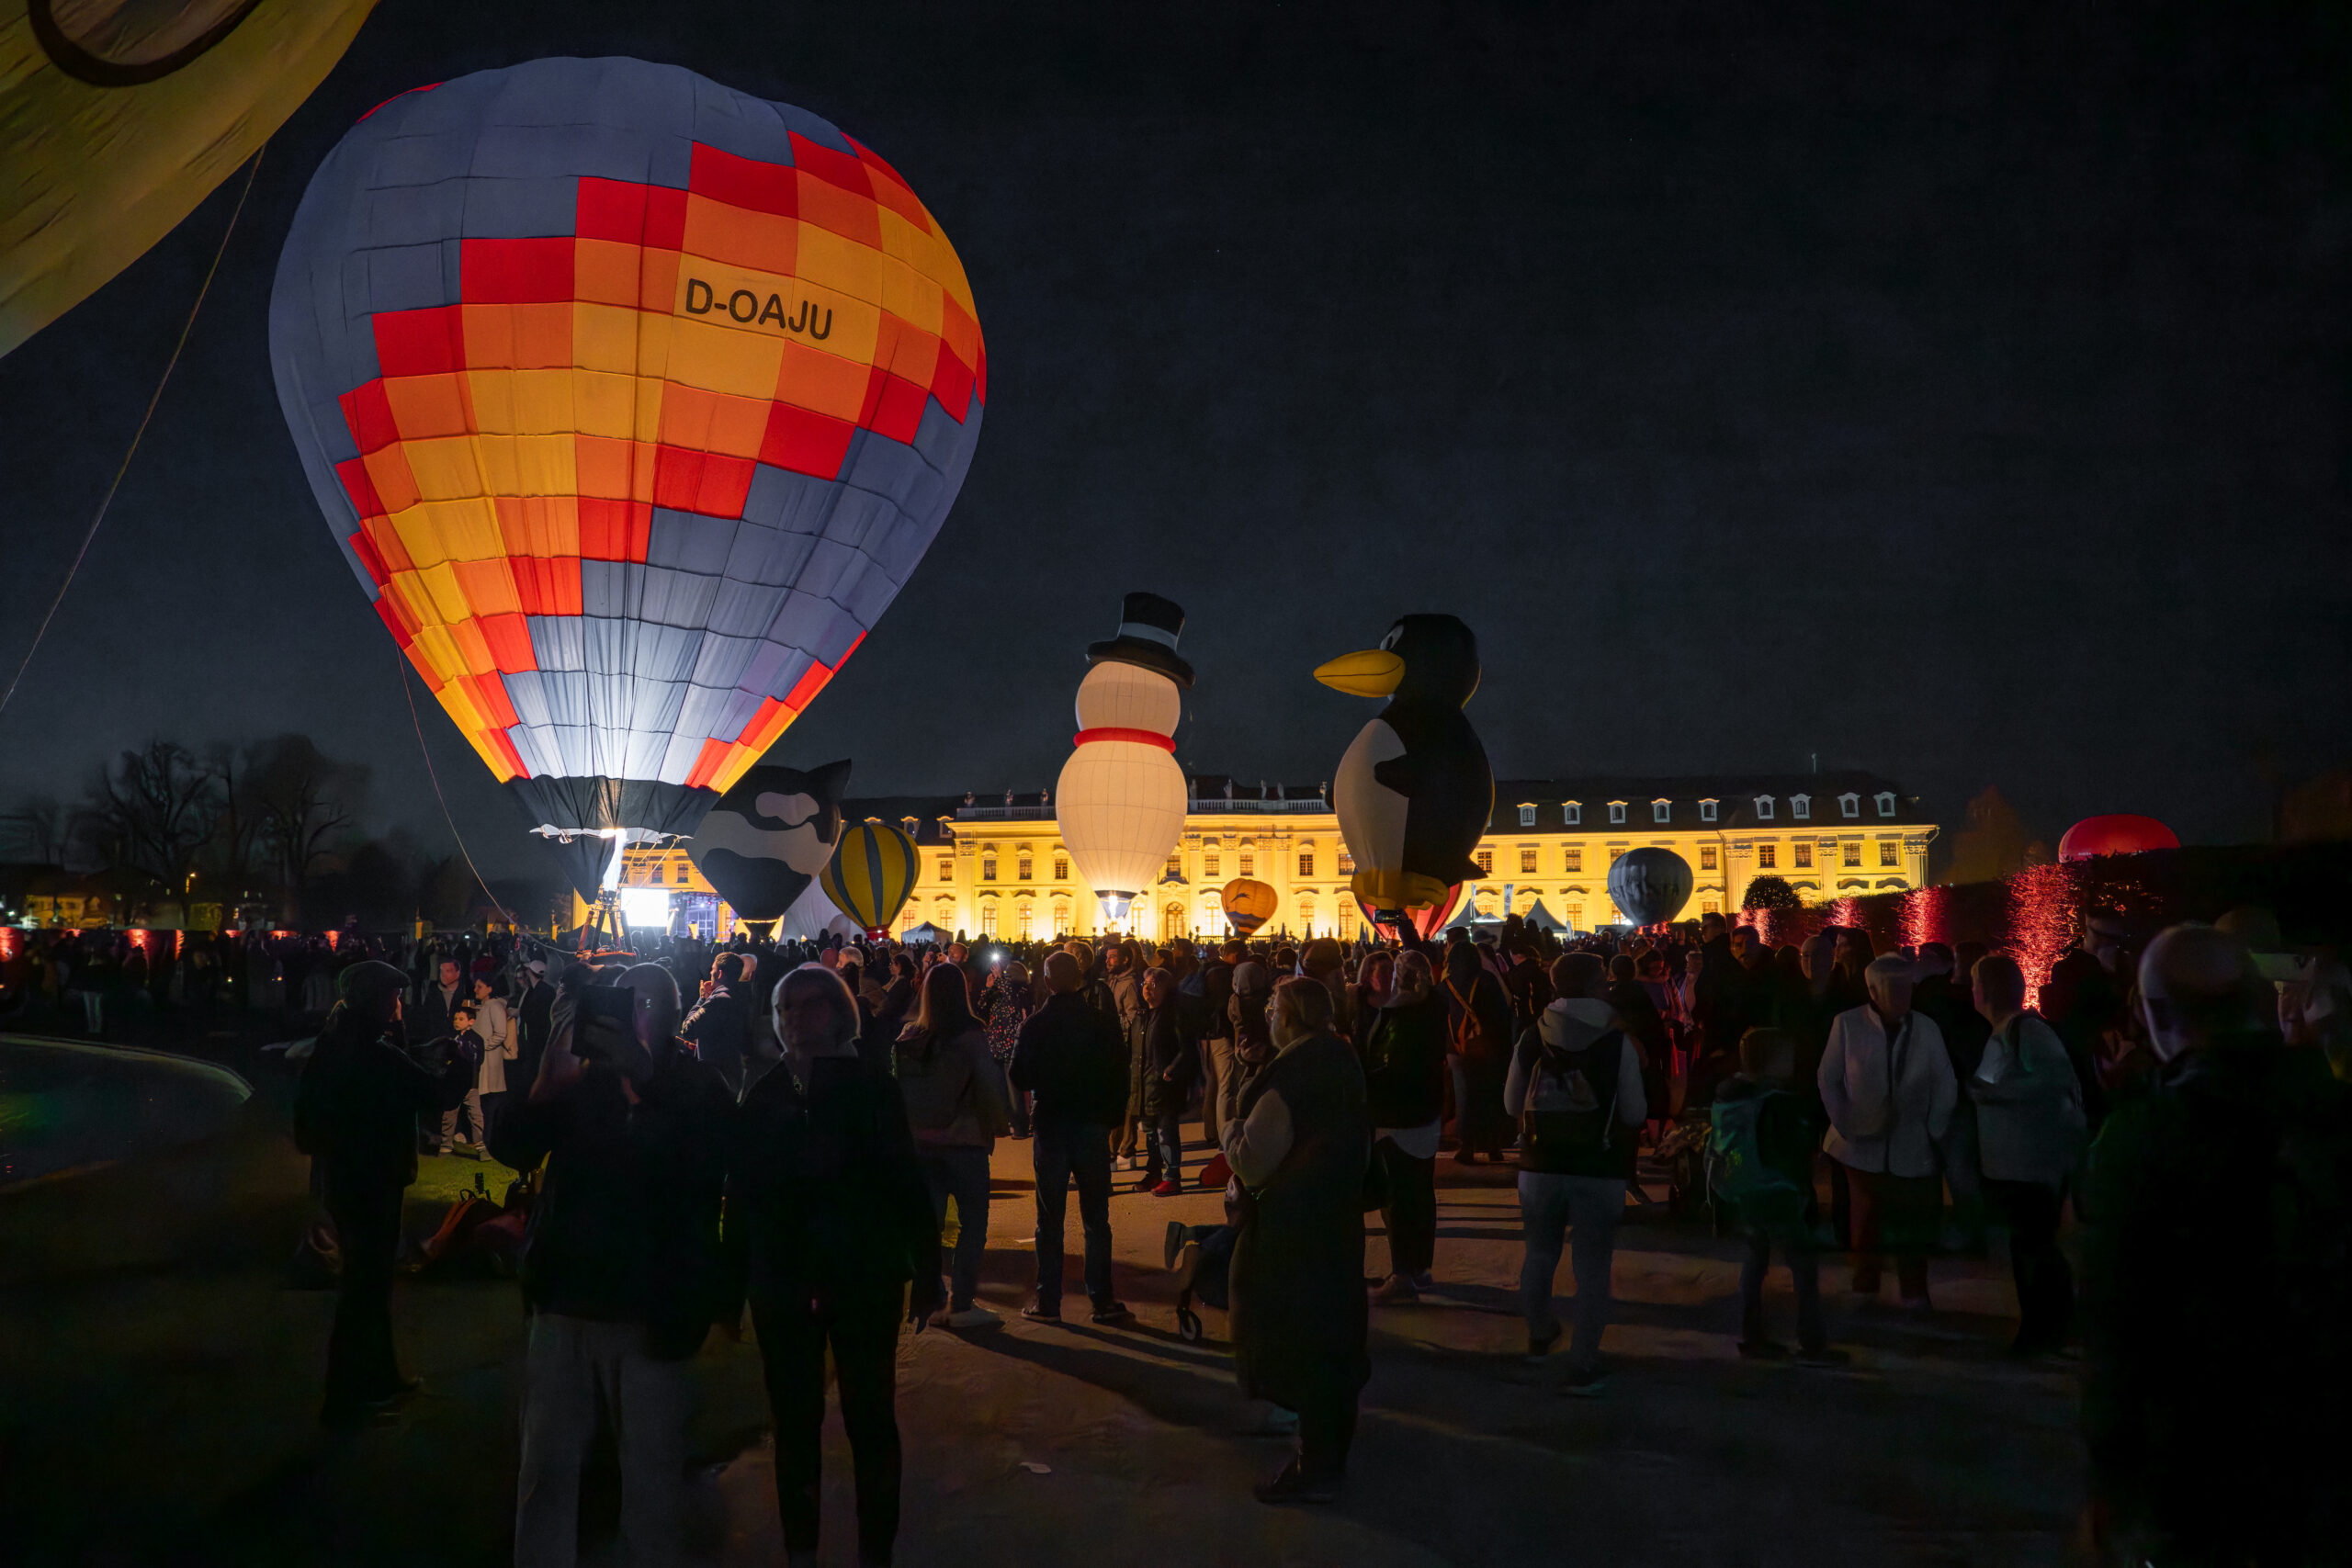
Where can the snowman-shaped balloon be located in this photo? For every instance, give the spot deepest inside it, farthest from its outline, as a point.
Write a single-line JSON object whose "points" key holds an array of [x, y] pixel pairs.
{"points": [[1121, 799]]}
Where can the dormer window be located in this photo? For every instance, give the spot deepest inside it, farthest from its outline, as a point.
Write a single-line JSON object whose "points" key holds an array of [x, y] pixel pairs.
{"points": [[1763, 808], [1886, 803], [1849, 805], [1527, 814], [1616, 811], [1572, 812], [1661, 811], [1707, 809], [910, 824], [1801, 806]]}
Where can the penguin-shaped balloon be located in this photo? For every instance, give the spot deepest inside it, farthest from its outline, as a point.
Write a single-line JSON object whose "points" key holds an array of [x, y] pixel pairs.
{"points": [[767, 838], [1414, 793]]}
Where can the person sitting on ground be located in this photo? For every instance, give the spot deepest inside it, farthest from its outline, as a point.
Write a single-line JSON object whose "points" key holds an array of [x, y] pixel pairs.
{"points": [[1773, 1131]]}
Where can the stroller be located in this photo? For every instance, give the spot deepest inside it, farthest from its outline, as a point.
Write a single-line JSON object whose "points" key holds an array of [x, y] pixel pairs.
{"points": [[1199, 1256]]}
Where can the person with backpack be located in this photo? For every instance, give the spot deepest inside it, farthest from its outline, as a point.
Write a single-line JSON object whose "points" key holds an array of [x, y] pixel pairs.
{"points": [[1576, 1086], [1404, 1066], [1887, 1086], [1760, 1146], [955, 1106], [1071, 1059], [1478, 1043], [2217, 1209], [2029, 1127]]}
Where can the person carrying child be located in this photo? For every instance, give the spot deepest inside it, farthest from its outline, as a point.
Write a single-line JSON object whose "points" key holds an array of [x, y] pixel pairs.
{"points": [[1759, 1158]]}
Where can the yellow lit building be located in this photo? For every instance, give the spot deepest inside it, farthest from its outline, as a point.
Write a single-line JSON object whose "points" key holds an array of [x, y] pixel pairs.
{"points": [[996, 867]]}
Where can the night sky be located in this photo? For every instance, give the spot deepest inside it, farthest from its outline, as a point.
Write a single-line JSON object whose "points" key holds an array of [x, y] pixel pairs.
{"points": [[1957, 396]]}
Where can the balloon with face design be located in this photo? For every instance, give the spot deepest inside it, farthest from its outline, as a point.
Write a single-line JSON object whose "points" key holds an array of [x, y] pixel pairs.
{"points": [[767, 838], [1414, 793]]}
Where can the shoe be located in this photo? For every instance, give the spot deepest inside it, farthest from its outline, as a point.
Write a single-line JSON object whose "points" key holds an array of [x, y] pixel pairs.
{"points": [[1172, 1245], [1145, 1185], [1277, 1423], [973, 1316], [938, 1318], [1539, 1346], [1762, 1350], [1464, 1156], [1585, 1382], [1916, 1303], [1187, 1267], [1394, 1291], [1038, 1312], [1826, 1356], [1112, 1312], [1424, 1281], [1292, 1486], [1169, 1189]]}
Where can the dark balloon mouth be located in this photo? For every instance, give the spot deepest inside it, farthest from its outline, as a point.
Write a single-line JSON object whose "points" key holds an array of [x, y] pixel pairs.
{"points": [[126, 43]]}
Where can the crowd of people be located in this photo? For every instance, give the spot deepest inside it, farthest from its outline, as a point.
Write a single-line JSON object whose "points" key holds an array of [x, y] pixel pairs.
{"points": [[784, 1131]]}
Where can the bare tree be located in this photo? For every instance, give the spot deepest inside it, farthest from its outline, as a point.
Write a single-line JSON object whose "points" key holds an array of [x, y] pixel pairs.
{"points": [[151, 811], [36, 830], [303, 801]]}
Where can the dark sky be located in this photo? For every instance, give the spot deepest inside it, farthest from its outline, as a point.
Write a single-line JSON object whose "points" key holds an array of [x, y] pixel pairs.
{"points": [[1958, 395]]}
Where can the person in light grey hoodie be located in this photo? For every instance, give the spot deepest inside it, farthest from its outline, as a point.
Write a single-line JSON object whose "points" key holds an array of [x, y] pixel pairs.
{"points": [[2029, 1126], [1574, 1086], [1887, 1086]]}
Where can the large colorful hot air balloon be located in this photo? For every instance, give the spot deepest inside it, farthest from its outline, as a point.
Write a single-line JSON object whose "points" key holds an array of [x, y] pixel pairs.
{"points": [[2120, 833], [1247, 903], [767, 838], [1121, 798], [118, 117], [871, 874], [1427, 920], [1414, 792], [1650, 883], [632, 400]]}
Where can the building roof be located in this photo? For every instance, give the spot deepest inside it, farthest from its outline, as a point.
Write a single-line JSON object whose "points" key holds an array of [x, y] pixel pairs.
{"points": [[1736, 795]]}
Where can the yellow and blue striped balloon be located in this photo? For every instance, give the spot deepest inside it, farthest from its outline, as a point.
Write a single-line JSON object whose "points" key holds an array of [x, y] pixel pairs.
{"points": [[871, 874]]}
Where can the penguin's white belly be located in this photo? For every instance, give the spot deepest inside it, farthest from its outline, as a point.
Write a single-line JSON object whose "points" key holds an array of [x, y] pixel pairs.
{"points": [[1372, 816]]}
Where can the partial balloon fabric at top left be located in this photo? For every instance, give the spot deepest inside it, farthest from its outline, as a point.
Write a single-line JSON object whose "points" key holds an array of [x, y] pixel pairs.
{"points": [[632, 400]]}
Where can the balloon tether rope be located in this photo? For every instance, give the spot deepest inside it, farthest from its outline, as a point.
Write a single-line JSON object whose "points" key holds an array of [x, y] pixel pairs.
{"points": [[250, 170], [430, 773]]}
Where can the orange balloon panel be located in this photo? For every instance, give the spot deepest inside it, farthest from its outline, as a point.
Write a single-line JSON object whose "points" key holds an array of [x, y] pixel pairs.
{"points": [[633, 402]]}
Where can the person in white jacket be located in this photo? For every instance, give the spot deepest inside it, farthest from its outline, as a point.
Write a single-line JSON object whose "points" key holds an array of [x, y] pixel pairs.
{"points": [[500, 1042], [2029, 1122], [1888, 1085]]}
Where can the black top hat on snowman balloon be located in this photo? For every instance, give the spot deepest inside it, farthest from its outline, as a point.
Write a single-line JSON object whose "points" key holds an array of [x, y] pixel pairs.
{"points": [[1148, 628]]}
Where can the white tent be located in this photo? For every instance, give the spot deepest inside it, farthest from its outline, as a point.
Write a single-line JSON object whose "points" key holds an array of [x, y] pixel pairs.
{"points": [[813, 916], [1538, 917], [915, 936]]}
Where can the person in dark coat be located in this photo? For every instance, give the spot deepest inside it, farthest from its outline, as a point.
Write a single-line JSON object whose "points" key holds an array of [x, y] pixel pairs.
{"points": [[535, 1012], [828, 1223], [1168, 1051], [1071, 1061], [621, 1267], [438, 998], [1300, 1321], [1404, 1066], [720, 1024], [357, 1112], [1479, 1020]]}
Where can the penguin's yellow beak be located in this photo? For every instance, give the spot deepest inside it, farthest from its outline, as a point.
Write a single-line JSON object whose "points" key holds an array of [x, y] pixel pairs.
{"points": [[1374, 672]]}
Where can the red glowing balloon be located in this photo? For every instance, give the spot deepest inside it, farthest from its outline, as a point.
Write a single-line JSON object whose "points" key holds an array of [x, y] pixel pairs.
{"points": [[2120, 834], [1426, 919]]}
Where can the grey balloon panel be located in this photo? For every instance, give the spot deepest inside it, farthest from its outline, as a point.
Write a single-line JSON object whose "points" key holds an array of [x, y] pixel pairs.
{"points": [[1650, 883]]}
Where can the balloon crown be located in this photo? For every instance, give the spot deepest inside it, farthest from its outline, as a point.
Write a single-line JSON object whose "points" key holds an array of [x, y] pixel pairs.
{"points": [[1148, 628]]}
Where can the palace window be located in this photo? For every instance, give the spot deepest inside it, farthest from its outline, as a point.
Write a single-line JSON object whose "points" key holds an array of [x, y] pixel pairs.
{"points": [[1801, 806], [1175, 865], [1485, 859], [1527, 816], [1061, 917], [1209, 864], [1526, 858], [1572, 812], [1614, 851], [1575, 859], [1574, 914], [987, 920], [1764, 809], [656, 878], [946, 869], [1616, 811], [1661, 811], [1853, 849], [1307, 863], [1347, 863], [1347, 919], [1805, 857], [987, 868], [1886, 852], [1886, 803], [1061, 868], [1024, 868], [1849, 805], [1249, 863], [1020, 918], [1707, 810], [1706, 857], [1768, 856], [1306, 917], [1710, 907]]}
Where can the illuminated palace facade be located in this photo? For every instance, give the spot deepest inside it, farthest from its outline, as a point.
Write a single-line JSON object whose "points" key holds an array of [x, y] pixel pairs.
{"points": [[994, 866]]}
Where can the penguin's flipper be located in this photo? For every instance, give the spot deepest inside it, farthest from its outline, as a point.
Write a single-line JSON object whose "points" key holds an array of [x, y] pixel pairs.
{"points": [[1400, 775]]}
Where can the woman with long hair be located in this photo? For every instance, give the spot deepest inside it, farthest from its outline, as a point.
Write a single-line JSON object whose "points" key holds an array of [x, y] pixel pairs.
{"points": [[956, 1105]]}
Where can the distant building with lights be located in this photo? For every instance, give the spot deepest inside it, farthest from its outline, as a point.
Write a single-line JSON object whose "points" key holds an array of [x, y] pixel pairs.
{"points": [[994, 866]]}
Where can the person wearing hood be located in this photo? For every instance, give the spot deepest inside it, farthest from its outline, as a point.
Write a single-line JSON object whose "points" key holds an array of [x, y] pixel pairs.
{"points": [[1887, 1086], [621, 1267], [356, 1112], [1576, 1086]]}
